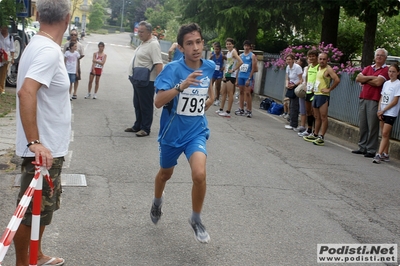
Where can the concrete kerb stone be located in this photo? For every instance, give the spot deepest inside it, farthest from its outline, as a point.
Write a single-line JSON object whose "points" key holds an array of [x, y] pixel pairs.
{"points": [[344, 131]]}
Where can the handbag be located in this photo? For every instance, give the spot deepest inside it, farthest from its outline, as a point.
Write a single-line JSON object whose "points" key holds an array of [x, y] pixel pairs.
{"points": [[140, 75], [290, 93], [301, 90]]}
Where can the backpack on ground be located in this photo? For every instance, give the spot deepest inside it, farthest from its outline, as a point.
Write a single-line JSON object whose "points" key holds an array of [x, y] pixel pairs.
{"points": [[266, 103]]}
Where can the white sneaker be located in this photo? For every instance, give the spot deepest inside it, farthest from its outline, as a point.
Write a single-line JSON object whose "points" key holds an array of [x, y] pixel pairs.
{"points": [[299, 129], [303, 134], [216, 102], [288, 127], [87, 96], [219, 111], [224, 114], [94, 96]]}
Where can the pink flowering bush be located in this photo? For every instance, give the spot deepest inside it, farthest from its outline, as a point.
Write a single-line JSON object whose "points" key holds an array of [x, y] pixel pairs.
{"points": [[334, 56]]}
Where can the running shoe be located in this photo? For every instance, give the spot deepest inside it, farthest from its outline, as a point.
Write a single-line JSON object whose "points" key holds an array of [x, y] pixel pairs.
{"points": [[299, 129], [385, 157], [310, 138], [288, 127], [239, 112], [219, 111], [87, 96], [377, 159], [249, 114], [224, 114], [200, 233], [319, 141], [155, 213], [216, 102], [94, 96], [303, 134]]}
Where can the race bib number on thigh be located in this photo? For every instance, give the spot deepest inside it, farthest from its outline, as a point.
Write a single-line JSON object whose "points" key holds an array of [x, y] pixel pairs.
{"points": [[192, 101], [244, 67]]}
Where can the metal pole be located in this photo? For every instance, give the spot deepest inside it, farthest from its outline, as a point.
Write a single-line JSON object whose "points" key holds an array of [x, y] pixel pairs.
{"points": [[122, 15]]}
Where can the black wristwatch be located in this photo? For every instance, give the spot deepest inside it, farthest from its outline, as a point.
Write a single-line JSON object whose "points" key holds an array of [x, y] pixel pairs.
{"points": [[178, 88]]}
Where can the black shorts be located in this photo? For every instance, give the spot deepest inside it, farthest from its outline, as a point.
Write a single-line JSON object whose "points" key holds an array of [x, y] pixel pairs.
{"points": [[233, 80], [309, 97], [388, 119]]}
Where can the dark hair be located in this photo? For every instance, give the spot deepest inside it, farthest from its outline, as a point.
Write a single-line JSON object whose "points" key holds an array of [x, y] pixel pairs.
{"points": [[232, 41], [396, 66], [303, 62], [247, 42], [217, 44], [188, 28], [70, 45], [100, 43], [312, 52]]}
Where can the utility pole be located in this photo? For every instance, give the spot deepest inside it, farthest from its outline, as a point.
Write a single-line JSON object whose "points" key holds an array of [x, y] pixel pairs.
{"points": [[122, 15]]}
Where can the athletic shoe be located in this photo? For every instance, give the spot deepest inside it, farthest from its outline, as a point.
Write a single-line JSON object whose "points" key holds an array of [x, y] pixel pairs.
{"points": [[303, 134], [377, 159], [239, 112], [200, 233], [249, 114], [310, 138], [219, 111], [286, 116], [87, 96], [299, 129], [319, 141], [385, 157], [288, 127], [94, 96], [155, 213], [74, 97], [224, 114], [216, 102]]}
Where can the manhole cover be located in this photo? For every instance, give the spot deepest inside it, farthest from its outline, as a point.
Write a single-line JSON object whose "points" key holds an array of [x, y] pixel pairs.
{"points": [[67, 180]]}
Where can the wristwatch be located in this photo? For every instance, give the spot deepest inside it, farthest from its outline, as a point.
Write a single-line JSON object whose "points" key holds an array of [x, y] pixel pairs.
{"points": [[178, 88]]}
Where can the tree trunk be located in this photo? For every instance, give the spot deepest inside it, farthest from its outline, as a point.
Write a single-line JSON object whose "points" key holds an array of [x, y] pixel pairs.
{"points": [[330, 25], [371, 22], [252, 31]]}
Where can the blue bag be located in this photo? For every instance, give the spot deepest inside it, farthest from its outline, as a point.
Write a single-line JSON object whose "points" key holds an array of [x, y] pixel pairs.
{"points": [[276, 108]]}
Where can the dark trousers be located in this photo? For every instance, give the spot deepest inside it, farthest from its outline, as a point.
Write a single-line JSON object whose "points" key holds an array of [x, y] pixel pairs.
{"points": [[143, 102], [294, 112]]}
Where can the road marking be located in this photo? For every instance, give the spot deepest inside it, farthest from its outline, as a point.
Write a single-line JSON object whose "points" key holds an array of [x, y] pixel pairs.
{"points": [[111, 44]]}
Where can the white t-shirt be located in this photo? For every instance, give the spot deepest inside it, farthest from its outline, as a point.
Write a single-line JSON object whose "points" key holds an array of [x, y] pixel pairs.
{"points": [[293, 73], [71, 62], [43, 62], [389, 91]]}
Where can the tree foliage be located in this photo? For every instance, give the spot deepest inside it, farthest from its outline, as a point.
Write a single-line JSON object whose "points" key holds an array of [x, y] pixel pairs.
{"points": [[96, 17]]}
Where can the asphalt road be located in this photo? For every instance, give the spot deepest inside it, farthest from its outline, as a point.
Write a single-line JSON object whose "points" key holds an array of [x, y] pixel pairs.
{"points": [[271, 197]]}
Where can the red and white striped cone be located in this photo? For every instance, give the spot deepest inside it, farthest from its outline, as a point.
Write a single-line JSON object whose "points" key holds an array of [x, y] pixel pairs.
{"points": [[8, 235]]}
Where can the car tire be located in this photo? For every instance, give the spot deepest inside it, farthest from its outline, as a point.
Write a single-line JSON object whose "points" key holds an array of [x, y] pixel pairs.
{"points": [[11, 79]]}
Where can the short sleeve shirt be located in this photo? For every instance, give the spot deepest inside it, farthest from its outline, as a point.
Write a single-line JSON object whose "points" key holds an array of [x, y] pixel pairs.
{"points": [[293, 73], [390, 90], [370, 92], [183, 118]]}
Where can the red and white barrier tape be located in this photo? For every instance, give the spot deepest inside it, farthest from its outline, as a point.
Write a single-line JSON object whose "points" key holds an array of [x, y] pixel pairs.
{"points": [[34, 189]]}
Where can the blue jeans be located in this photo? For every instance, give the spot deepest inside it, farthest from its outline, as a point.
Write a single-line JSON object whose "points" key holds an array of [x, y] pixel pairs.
{"points": [[143, 102]]}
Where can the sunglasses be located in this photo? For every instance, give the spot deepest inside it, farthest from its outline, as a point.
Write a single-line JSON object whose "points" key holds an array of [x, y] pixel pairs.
{"points": [[74, 35]]}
